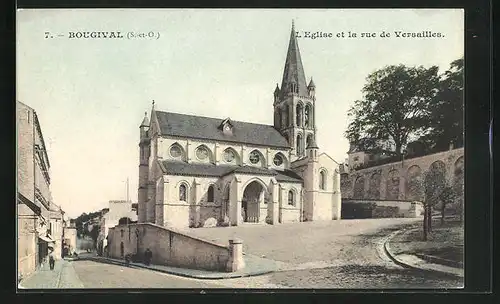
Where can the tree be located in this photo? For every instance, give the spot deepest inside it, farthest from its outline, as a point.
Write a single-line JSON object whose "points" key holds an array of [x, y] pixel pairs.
{"points": [[395, 105], [446, 119], [434, 185], [446, 197]]}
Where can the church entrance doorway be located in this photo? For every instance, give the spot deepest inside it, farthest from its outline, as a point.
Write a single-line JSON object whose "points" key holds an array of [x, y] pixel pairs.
{"points": [[253, 195]]}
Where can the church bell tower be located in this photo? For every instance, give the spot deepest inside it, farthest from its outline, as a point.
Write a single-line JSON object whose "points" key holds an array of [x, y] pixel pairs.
{"points": [[294, 102]]}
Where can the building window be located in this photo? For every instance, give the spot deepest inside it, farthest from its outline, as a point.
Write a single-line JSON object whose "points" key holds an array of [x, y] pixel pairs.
{"points": [[309, 139], [121, 233], [254, 157], [122, 250], [307, 116], [182, 193], [202, 153], [299, 115], [299, 145], [175, 151], [229, 155], [356, 158], [210, 194], [278, 160], [291, 198], [322, 180]]}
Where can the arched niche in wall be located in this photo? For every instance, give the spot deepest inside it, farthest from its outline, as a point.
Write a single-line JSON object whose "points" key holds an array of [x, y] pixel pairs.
{"points": [[359, 187], [374, 186], [392, 188], [414, 185]]}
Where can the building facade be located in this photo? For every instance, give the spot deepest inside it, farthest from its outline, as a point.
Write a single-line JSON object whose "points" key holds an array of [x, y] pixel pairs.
{"points": [[70, 235], [199, 171], [116, 210], [34, 198], [56, 230]]}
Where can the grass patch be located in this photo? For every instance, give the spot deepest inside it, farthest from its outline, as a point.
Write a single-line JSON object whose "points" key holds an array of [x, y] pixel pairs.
{"points": [[444, 245]]}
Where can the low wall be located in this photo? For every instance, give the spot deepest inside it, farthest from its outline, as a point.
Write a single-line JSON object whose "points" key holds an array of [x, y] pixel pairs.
{"points": [[405, 208], [290, 215], [174, 248]]}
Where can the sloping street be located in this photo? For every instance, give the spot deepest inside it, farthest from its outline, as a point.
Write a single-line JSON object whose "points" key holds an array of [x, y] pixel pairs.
{"points": [[342, 254]]}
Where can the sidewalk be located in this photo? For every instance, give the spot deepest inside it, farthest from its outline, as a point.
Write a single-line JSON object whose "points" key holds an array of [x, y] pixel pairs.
{"points": [[254, 265], [413, 261], [63, 276]]}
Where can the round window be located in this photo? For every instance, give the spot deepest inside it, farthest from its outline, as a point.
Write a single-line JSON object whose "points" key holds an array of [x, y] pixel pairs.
{"points": [[175, 151], [278, 160], [254, 157], [229, 156], [202, 153]]}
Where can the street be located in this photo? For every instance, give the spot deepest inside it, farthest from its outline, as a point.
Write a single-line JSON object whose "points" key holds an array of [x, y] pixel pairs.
{"points": [[337, 254]]}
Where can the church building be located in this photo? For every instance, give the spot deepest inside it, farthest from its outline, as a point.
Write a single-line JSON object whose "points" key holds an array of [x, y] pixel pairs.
{"points": [[199, 171]]}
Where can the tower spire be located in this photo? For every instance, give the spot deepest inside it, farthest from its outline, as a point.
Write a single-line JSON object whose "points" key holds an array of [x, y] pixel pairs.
{"points": [[294, 79]]}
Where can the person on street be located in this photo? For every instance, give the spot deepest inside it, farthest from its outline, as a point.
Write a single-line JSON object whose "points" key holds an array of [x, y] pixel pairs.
{"points": [[52, 260], [148, 255]]}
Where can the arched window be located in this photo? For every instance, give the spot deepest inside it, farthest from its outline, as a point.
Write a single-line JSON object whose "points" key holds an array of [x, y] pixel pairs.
{"points": [[299, 145], [278, 160], [182, 193], [291, 198], [254, 157], [322, 180], [307, 116], [202, 152], [210, 194], [299, 115], [176, 151], [309, 139]]}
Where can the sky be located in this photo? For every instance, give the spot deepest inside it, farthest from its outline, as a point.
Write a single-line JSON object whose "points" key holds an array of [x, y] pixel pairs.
{"points": [[90, 95]]}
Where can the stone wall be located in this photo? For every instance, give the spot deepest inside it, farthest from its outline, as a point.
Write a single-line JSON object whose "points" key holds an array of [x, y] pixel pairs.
{"points": [[406, 208], [400, 180], [173, 248]]}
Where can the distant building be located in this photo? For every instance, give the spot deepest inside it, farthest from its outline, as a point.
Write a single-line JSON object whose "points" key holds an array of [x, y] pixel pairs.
{"points": [[56, 229], [367, 150], [118, 209], [34, 198], [69, 245]]}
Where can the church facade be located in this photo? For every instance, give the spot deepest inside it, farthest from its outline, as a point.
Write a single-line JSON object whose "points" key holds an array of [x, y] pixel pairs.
{"points": [[199, 171]]}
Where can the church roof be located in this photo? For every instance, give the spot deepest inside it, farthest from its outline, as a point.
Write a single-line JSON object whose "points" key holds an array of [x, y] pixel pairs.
{"points": [[145, 121], [190, 126], [311, 84], [183, 168], [294, 71]]}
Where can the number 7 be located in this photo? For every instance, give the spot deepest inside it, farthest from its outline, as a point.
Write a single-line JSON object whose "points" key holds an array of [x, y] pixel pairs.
{"points": [[47, 35]]}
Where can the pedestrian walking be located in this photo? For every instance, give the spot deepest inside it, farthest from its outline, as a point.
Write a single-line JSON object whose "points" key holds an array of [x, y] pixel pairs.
{"points": [[52, 260], [148, 256]]}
